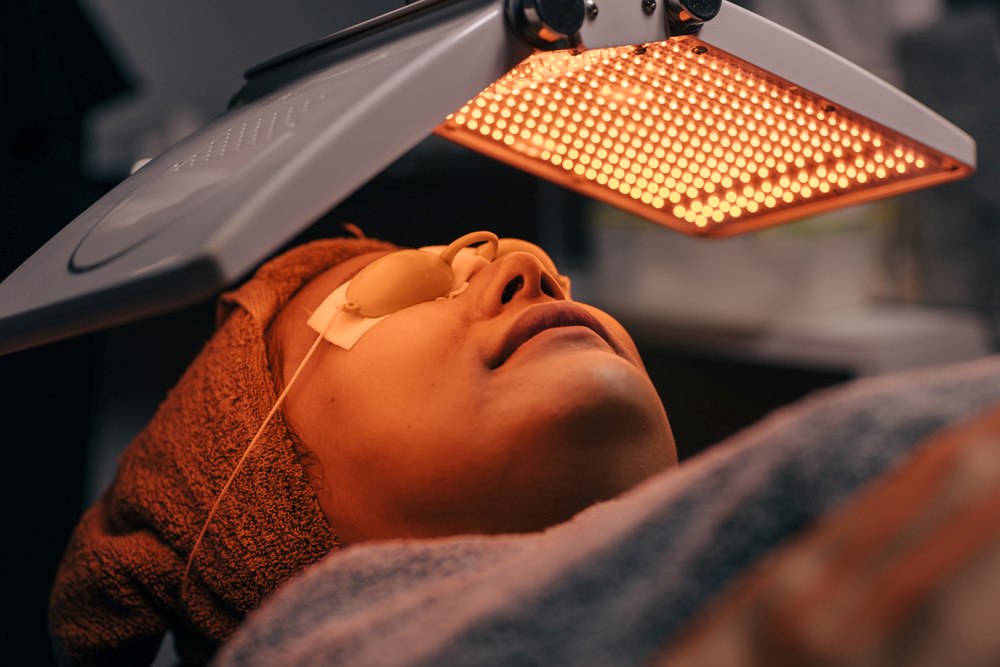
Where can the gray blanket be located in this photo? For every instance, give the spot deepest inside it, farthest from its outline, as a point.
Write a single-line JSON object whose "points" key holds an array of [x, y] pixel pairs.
{"points": [[621, 579]]}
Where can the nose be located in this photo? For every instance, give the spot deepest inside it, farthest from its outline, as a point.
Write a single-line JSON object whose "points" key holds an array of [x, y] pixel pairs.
{"points": [[517, 277]]}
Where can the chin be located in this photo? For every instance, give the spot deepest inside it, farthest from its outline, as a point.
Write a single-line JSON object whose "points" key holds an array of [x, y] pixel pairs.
{"points": [[602, 408], [599, 380]]}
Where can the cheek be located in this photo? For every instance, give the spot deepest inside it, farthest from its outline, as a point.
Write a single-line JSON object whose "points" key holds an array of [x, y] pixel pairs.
{"points": [[406, 355], [409, 375], [403, 414]]}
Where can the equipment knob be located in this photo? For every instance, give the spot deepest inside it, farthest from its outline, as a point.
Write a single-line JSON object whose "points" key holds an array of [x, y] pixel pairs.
{"points": [[543, 23], [689, 14]]}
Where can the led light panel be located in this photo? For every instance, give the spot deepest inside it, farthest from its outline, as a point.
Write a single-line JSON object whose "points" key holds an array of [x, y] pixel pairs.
{"points": [[687, 135], [659, 130]]}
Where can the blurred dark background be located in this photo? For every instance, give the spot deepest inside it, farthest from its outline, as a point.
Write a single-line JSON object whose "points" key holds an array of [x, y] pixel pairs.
{"points": [[87, 88]]}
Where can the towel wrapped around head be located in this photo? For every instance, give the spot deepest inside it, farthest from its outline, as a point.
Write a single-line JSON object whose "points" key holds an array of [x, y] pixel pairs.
{"points": [[117, 590]]}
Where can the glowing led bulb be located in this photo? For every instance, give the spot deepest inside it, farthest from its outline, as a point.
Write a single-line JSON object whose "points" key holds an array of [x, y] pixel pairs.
{"points": [[689, 136]]}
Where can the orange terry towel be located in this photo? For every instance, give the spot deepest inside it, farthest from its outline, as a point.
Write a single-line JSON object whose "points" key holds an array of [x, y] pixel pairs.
{"points": [[117, 590]]}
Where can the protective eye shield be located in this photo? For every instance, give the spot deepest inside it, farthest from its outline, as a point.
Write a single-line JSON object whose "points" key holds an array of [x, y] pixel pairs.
{"points": [[409, 277]]}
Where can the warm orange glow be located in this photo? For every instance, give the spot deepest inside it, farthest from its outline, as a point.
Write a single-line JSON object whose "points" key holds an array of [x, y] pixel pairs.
{"points": [[689, 136]]}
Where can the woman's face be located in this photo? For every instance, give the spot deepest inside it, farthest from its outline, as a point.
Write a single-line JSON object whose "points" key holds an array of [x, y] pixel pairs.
{"points": [[505, 409]]}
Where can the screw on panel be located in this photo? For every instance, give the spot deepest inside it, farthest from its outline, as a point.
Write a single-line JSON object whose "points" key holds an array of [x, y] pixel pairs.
{"points": [[648, 6], [700, 50], [592, 10]]}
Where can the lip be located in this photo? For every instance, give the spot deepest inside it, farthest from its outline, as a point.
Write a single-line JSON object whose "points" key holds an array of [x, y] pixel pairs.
{"points": [[543, 317]]}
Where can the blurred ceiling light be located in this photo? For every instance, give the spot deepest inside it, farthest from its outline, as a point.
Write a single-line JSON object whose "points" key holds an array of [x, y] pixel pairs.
{"points": [[697, 114]]}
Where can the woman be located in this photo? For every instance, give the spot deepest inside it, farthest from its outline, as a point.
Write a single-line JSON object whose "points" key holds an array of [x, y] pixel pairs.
{"points": [[500, 406]]}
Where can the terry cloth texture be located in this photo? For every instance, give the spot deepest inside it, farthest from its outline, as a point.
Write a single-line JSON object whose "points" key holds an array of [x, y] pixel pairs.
{"points": [[620, 580], [117, 590]]}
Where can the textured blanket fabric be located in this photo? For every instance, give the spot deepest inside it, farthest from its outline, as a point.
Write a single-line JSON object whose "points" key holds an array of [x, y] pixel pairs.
{"points": [[907, 573], [620, 580]]}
